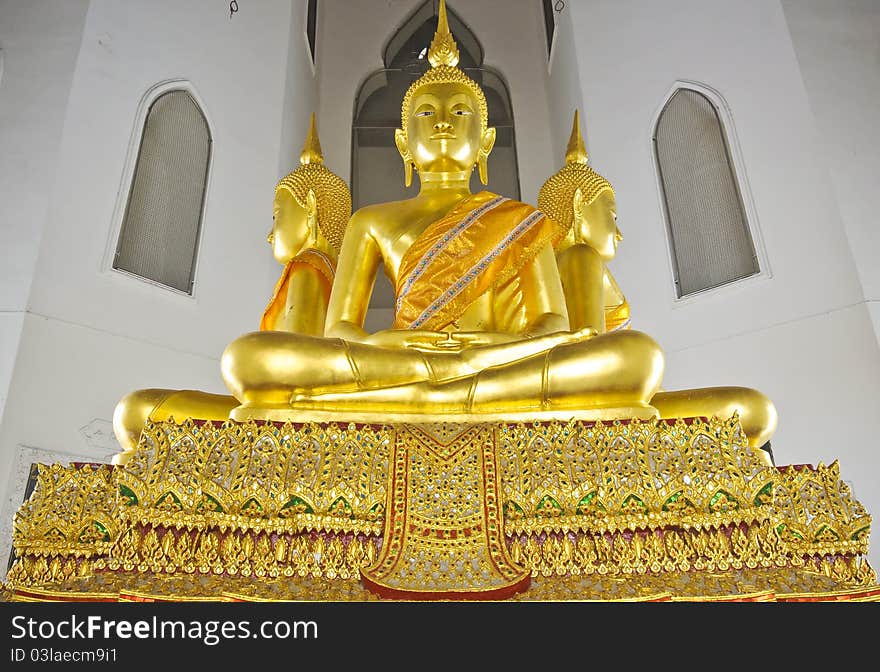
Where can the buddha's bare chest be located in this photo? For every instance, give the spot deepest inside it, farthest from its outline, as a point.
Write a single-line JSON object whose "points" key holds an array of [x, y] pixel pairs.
{"points": [[396, 236]]}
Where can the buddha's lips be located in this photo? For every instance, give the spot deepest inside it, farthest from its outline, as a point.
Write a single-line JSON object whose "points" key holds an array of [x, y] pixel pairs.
{"points": [[443, 136]]}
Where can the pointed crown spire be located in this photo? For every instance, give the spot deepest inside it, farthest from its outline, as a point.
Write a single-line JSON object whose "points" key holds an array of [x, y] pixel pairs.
{"points": [[311, 151], [443, 50], [576, 152], [444, 57]]}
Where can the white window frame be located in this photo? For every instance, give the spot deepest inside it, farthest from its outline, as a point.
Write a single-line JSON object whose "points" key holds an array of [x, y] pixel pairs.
{"points": [[126, 184], [725, 116]]}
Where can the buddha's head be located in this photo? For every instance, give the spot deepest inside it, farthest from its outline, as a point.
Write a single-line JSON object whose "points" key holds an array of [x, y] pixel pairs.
{"points": [[581, 201], [311, 208], [444, 116]]}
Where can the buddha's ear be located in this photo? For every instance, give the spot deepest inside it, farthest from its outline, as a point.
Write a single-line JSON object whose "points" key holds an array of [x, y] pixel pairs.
{"points": [[403, 148], [312, 215], [576, 202], [487, 141]]}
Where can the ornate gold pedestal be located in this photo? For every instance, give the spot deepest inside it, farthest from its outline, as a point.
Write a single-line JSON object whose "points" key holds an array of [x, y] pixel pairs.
{"points": [[632, 510]]}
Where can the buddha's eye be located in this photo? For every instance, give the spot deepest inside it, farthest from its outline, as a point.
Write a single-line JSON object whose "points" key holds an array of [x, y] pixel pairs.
{"points": [[424, 113], [462, 112]]}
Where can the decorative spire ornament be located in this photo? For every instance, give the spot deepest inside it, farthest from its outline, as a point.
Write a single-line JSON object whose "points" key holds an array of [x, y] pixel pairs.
{"points": [[311, 151], [443, 50], [576, 152]]}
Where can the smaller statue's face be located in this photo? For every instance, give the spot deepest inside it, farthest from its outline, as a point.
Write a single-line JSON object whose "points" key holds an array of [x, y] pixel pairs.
{"points": [[290, 230], [444, 129], [596, 225]]}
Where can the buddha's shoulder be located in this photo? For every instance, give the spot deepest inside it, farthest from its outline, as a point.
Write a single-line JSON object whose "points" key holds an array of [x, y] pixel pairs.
{"points": [[381, 216]]}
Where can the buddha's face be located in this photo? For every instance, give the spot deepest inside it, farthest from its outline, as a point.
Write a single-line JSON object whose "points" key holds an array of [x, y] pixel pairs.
{"points": [[596, 224], [291, 227], [444, 129]]}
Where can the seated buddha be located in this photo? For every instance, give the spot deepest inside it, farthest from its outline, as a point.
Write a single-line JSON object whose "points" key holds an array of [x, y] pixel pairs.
{"points": [[310, 211], [481, 328], [582, 202]]}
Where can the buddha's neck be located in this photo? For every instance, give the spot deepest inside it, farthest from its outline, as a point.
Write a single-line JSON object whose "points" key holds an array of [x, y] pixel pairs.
{"points": [[447, 184]]}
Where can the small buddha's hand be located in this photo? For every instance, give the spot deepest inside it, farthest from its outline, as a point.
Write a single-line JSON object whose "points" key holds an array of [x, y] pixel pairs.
{"points": [[476, 338], [414, 339], [564, 337], [583, 334]]}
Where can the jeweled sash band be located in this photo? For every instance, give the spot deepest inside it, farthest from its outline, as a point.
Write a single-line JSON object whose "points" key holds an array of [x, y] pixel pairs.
{"points": [[439, 246]]}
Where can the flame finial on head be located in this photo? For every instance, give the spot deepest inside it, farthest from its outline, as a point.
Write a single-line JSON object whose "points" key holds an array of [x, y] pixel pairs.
{"points": [[576, 152], [443, 50], [311, 151]]}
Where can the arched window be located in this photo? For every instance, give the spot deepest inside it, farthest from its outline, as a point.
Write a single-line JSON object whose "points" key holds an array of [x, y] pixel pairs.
{"points": [[158, 239], [377, 171], [711, 242]]}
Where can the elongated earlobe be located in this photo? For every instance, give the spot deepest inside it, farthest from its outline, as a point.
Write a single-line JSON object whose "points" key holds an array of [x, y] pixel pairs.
{"points": [[576, 220], [487, 142], [483, 168], [400, 142]]}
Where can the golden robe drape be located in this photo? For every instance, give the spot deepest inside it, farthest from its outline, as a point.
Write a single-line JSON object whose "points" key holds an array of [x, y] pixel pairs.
{"points": [[310, 257], [480, 244]]}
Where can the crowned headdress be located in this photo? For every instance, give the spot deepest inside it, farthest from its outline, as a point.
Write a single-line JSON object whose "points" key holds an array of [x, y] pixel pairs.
{"points": [[331, 192], [443, 57], [557, 193]]}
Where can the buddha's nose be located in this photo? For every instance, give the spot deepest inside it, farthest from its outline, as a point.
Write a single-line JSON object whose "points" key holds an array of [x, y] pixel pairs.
{"points": [[443, 127], [271, 237]]}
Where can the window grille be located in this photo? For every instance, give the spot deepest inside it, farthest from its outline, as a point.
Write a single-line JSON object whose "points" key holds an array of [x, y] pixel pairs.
{"points": [[709, 232], [159, 236]]}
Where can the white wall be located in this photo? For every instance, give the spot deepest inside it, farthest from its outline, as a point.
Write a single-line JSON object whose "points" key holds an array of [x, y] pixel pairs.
{"points": [[300, 96], [564, 94], [39, 42], [837, 49], [802, 336], [352, 37], [90, 335]]}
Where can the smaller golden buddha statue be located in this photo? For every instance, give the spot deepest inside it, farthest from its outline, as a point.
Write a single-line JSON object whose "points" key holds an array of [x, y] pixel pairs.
{"points": [[582, 201], [310, 212]]}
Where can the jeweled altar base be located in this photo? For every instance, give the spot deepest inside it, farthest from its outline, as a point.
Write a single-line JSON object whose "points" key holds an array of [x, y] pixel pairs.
{"points": [[627, 510]]}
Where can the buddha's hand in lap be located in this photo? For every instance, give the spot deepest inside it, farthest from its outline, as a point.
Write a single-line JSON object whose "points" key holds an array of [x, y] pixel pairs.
{"points": [[413, 339]]}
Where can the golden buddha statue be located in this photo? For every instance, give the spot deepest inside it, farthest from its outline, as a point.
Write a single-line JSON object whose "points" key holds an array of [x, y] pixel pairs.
{"points": [[582, 202], [481, 328], [309, 213]]}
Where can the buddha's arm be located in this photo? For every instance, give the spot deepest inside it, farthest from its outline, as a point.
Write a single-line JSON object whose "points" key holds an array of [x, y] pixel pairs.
{"points": [[306, 302], [543, 295], [613, 294], [353, 284], [350, 298], [582, 271]]}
